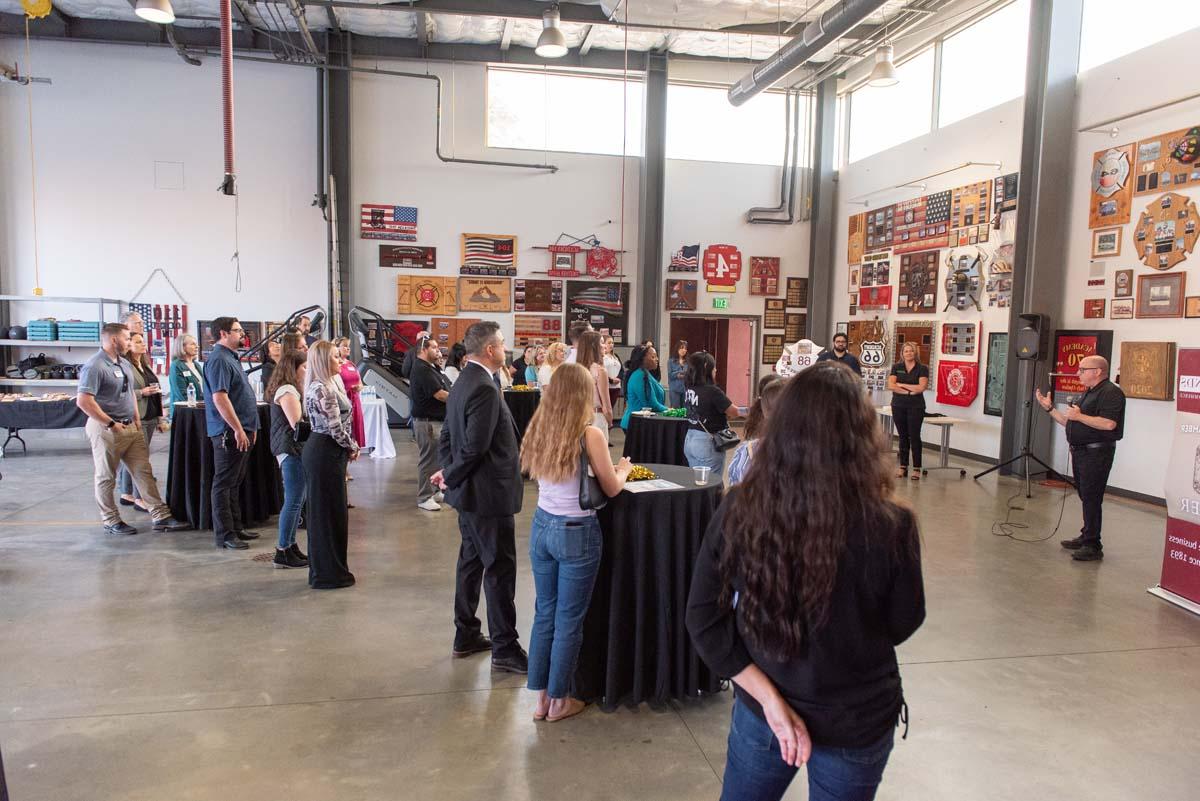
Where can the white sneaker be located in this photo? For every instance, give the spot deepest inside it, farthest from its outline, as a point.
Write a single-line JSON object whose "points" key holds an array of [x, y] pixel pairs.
{"points": [[429, 505], [441, 496]]}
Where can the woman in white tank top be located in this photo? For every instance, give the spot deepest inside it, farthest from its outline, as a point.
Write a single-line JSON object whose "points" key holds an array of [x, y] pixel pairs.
{"points": [[565, 542]]}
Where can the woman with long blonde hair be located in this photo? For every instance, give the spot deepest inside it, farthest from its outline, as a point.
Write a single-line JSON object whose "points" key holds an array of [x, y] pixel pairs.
{"points": [[564, 544], [330, 445], [556, 355]]}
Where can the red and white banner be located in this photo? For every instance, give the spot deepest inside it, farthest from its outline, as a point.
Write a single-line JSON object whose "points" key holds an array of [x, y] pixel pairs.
{"points": [[722, 267], [1181, 556]]}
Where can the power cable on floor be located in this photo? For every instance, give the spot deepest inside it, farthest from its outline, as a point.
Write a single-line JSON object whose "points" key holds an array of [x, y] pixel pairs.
{"points": [[1008, 528]]}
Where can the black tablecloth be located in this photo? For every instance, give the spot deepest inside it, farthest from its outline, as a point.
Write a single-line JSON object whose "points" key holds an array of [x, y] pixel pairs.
{"points": [[522, 405], [190, 471], [635, 645], [36, 414], [655, 440]]}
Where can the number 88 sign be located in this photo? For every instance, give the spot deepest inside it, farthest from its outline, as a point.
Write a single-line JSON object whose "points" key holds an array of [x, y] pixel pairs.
{"points": [[722, 267]]}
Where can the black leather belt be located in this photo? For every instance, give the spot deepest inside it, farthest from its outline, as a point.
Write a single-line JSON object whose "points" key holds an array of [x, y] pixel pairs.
{"points": [[1093, 446]]}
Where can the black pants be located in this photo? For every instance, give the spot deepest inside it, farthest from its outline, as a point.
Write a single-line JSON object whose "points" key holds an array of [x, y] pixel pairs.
{"points": [[229, 471], [487, 557], [1090, 467], [328, 518], [908, 426]]}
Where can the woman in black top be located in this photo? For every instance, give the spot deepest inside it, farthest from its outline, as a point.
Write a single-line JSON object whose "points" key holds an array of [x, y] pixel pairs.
{"points": [[708, 411], [908, 381], [808, 577]]}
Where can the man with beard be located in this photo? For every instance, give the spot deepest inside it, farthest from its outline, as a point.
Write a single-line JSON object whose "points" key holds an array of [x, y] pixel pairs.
{"points": [[840, 354]]}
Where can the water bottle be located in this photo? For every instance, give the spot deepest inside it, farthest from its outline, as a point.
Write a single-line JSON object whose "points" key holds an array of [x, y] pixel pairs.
{"points": [[191, 395]]}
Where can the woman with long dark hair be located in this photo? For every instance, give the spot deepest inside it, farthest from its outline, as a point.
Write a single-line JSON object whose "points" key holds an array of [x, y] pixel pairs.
{"points": [[708, 411], [676, 369], [643, 391], [287, 411], [565, 543], [808, 578], [330, 445], [150, 411], [769, 389], [908, 381], [458, 355]]}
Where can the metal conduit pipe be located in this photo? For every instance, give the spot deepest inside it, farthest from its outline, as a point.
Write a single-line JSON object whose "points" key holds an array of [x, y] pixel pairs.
{"points": [[753, 213], [791, 170], [396, 74], [302, 24], [831, 25]]}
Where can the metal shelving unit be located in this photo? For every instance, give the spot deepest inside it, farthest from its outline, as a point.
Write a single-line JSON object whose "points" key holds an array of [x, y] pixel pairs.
{"points": [[101, 305]]}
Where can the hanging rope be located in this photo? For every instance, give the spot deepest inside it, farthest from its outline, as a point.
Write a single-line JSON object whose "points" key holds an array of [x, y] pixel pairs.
{"points": [[37, 271], [237, 250]]}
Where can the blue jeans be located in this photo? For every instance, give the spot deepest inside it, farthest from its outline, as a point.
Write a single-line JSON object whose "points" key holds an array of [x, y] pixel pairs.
{"points": [[699, 451], [295, 487], [564, 553], [755, 770]]}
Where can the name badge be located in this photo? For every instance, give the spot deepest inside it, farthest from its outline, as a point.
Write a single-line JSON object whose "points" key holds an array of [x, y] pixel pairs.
{"points": [[118, 374]]}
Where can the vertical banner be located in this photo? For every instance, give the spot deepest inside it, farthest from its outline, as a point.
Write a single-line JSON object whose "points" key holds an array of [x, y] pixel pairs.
{"points": [[1181, 556]]}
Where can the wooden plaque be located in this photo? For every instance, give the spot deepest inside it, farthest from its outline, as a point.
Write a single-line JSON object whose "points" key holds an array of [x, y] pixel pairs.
{"points": [[417, 294], [681, 294], [1148, 370], [772, 348], [764, 275], [1167, 230], [485, 294], [794, 327], [774, 313], [854, 243], [1111, 198], [1169, 161], [797, 293], [918, 289], [920, 333]]}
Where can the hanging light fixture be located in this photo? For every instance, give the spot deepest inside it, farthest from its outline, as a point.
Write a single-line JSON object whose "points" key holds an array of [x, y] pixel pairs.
{"points": [[884, 71], [552, 43], [158, 11]]}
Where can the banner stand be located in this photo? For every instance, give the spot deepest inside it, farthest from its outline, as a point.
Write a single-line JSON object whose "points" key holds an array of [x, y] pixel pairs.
{"points": [[1172, 598]]}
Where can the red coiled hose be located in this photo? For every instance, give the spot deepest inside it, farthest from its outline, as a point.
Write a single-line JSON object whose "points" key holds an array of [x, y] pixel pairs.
{"points": [[227, 185]]}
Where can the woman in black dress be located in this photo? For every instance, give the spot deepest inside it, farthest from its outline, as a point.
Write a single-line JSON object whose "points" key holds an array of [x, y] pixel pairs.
{"points": [[908, 381], [330, 445]]}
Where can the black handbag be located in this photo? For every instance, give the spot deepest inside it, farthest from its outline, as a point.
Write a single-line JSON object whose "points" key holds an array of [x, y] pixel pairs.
{"points": [[591, 496], [302, 430], [724, 439]]}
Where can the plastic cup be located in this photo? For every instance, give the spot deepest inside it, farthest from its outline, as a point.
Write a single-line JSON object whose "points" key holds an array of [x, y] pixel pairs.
{"points": [[701, 474]]}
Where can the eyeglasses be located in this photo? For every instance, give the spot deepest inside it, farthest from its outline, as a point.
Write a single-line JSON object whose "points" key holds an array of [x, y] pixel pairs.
{"points": [[1081, 369]]}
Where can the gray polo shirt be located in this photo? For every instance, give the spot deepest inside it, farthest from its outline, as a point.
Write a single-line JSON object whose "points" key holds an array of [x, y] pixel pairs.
{"points": [[111, 383]]}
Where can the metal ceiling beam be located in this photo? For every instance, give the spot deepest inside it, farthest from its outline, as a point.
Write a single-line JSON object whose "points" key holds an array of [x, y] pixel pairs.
{"points": [[588, 38], [107, 31], [506, 34]]}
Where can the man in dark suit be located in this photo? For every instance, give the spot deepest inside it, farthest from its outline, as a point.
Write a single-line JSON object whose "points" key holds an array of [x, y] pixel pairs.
{"points": [[481, 476]]}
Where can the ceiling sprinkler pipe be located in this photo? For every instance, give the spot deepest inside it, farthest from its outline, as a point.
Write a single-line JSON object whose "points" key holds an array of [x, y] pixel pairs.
{"points": [[834, 23]]}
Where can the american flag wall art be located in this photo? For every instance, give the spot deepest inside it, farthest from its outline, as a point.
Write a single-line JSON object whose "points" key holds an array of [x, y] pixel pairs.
{"points": [[686, 259], [489, 254], [378, 221]]}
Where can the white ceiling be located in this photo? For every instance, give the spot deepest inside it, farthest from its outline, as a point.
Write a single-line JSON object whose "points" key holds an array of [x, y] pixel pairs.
{"points": [[456, 29]]}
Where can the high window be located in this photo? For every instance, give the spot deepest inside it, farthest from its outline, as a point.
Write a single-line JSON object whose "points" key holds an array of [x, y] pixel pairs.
{"points": [[703, 126], [972, 81], [1113, 28], [884, 117]]}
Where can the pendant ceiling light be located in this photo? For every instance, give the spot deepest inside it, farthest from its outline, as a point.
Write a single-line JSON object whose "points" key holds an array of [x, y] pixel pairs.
{"points": [[158, 11], [552, 43], [884, 71]]}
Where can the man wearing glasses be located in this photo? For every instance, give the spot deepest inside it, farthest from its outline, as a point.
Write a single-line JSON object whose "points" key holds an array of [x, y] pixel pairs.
{"points": [[106, 396], [231, 412], [1093, 426]]}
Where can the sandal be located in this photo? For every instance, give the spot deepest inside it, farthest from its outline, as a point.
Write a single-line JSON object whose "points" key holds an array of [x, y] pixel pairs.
{"points": [[901, 472], [916, 476]]}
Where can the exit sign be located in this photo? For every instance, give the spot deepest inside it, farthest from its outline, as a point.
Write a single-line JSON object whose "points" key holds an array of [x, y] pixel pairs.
{"points": [[720, 303]]}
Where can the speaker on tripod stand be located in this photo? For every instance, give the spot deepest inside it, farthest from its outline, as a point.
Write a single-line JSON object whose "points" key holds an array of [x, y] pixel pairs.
{"points": [[1031, 346]]}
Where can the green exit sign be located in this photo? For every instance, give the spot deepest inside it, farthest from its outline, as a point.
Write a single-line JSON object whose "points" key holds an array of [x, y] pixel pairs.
{"points": [[720, 303]]}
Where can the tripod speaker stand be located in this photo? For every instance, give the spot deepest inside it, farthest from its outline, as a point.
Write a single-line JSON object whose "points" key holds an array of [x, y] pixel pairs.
{"points": [[1031, 347]]}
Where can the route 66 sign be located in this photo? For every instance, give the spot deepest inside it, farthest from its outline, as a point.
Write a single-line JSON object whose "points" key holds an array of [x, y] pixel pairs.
{"points": [[872, 354], [722, 267]]}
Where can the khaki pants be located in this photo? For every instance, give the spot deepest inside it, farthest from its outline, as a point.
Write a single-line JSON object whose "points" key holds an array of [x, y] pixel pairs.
{"points": [[109, 450], [427, 433]]}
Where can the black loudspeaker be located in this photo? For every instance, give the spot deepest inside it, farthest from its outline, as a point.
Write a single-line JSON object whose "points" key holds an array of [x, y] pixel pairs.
{"points": [[1033, 337]]}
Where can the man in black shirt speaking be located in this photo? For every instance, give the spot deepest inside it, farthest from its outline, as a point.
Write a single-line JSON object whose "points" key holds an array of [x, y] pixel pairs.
{"points": [[429, 389], [1093, 427], [840, 354]]}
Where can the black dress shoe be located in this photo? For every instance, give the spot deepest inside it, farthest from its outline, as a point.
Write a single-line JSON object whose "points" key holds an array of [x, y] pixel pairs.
{"points": [[1088, 553], [120, 527], [234, 544], [1072, 544], [515, 662], [247, 535], [475, 645], [171, 524]]}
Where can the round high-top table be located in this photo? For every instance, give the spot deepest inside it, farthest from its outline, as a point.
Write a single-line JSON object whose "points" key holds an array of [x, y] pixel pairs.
{"points": [[635, 645], [522, 404], [190, 471], [656, 439]]}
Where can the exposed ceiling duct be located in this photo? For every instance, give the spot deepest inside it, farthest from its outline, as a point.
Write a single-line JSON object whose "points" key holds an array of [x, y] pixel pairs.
{"points": [[833, 24]]}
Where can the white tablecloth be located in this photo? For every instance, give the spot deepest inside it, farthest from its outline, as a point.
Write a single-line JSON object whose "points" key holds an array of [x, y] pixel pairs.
{"points": [[375, 425]]}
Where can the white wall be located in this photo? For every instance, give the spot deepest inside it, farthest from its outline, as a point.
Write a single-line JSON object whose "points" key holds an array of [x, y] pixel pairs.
{"points": [[992, 136], [1120, 87], [394, 162], [109, 115]]}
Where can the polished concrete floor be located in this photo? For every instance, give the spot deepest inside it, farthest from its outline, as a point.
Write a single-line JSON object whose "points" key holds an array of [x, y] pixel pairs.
{"points": [[156, 668]]}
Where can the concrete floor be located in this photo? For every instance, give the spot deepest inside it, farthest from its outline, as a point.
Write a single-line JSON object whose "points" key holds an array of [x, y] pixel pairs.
{"points": [[156, 668]]}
